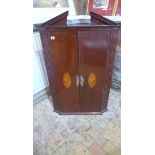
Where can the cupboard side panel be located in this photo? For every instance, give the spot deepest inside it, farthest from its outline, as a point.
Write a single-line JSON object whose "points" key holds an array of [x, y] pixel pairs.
{"points": [[112, 40], [48, 64]]}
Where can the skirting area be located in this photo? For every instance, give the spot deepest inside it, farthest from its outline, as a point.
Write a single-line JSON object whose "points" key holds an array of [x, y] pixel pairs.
{"points": [[77, 134]]}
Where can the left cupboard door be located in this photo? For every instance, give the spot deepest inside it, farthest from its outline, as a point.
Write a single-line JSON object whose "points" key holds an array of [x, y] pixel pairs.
{"points": [[63, 49]]}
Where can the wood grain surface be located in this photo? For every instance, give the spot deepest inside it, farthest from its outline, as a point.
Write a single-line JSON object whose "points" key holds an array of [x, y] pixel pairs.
{"points": [[64, 58], [80, 50], [93, 47]]}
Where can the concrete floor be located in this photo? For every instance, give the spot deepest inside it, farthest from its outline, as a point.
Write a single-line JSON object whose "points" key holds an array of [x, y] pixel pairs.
{"points": [[77, 135]]}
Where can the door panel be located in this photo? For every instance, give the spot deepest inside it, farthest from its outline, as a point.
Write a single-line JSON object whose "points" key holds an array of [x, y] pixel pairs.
{"points": [[93, 47], [65, 68]]}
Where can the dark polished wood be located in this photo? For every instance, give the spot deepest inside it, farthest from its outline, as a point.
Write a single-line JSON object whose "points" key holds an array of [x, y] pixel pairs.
{"points": [[101, 20], [93, 53], [85, 50], [64, 58]]}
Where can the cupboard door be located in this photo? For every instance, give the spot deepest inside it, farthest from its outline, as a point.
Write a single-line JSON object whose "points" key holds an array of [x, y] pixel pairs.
{"points": [[65, 92], [93, 46]]}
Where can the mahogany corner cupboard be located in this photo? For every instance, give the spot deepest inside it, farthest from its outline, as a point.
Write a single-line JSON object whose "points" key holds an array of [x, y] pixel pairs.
{"points": [[79, 56]]}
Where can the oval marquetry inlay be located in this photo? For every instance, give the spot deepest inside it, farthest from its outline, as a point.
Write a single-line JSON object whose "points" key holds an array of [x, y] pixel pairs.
{"points": [[67, 80], [92, 80]]}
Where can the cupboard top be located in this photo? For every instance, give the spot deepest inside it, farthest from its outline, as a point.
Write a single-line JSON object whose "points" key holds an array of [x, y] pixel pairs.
{"points": [[95, 21]]}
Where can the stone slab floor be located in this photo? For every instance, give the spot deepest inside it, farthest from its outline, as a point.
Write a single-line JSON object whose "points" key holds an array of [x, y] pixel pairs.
{"points": [[77, 134]]}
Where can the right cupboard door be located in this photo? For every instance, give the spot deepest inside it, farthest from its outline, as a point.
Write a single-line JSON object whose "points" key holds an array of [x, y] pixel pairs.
{"points": [[93, 49]]}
